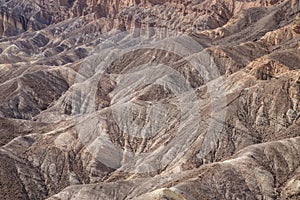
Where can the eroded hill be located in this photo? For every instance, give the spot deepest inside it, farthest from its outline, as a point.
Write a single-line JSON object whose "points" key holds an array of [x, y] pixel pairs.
{"points": [[149, 99]]}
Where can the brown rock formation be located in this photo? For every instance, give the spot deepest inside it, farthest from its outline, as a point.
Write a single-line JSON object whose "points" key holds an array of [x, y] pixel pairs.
{"points": [[149, 99]]}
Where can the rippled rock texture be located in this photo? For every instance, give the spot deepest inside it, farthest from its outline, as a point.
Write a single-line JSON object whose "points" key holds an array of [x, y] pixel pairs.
{"points": [[150, 99]]}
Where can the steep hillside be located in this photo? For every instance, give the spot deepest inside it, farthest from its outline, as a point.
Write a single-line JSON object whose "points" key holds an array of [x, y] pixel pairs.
{"points": [[150, 99]]}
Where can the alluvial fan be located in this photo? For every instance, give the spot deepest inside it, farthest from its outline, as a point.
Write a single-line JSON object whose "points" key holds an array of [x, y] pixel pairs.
{"points": [[150, 99]]}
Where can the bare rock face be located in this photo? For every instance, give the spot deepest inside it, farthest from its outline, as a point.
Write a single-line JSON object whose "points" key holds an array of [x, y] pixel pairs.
{"points": [[149, 99]]}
